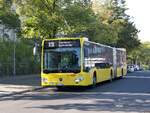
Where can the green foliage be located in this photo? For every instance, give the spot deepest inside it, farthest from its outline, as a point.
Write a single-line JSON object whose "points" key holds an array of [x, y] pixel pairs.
{"points": [[117, 30], [105, 22], [127, 33], [79, 18], [104, 34], [128, 37], [145, 53], [7, 17], [141, 55], [50, 17], [10, 20], [25, 61], [42, 16]]}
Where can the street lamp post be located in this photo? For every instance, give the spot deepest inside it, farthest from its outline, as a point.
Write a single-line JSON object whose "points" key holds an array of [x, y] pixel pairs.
{"points": [[13, 9], [14, 54]]}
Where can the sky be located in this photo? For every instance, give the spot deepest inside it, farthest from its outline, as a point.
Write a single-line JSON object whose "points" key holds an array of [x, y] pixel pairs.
{"points": [[139, 10]]}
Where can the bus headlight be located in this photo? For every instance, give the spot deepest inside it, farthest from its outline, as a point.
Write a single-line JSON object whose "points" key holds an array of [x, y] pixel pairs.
{"points": [[79, 79]]}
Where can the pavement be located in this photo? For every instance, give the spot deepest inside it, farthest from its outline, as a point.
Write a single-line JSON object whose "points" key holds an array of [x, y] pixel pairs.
{"points": [[19, 84], [128, 95]]}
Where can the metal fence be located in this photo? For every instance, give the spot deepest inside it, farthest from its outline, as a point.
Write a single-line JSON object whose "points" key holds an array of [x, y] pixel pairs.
{"points": [[21, 61], [7, 69]]}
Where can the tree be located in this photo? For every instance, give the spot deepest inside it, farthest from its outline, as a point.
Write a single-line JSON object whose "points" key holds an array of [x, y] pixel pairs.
{"points": [[128, 37], [25, 61], [122, 32], [127, 33], [145, 53], [79, 19], [40, 16], [107, 23], [8, 18], [109, 26], [141, 55], [51, 17]]}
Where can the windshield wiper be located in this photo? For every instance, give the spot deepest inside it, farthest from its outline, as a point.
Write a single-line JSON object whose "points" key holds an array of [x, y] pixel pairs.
{"points": [[75, 71], [46, 71], [60, 71], [70, 71], [50, 71]]}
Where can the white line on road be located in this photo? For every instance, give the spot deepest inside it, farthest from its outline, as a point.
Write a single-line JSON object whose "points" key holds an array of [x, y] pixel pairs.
{"points": [[103, 93], [138, 77], [129, 94]]}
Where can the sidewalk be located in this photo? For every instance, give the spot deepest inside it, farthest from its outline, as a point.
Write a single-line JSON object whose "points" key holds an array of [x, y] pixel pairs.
{"points": [[19, 84]]}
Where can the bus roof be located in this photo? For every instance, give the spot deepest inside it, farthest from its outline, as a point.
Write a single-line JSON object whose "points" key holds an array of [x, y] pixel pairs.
{"points": [[121, 49], [63, 38], [85, 39], [100, 44]]}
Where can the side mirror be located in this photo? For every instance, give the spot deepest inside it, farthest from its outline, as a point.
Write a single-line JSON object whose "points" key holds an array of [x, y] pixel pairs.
{"points": [[35, 50], [110, 65], [103, 65], [100, 65], [87, 69]]}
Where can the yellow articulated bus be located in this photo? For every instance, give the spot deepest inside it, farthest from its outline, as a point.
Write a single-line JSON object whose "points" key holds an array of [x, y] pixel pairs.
{"points": [[79, 62]]}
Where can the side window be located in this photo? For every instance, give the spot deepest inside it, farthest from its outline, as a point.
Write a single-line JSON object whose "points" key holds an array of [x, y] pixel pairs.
{"points": [[85, 51], [86, 61]]}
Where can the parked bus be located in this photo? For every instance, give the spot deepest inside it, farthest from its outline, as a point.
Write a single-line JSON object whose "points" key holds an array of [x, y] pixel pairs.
{"points": [[79, 62]]}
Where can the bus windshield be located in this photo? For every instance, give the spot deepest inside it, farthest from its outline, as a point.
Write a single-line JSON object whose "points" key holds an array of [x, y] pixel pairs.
{"points": [[62, 60]]}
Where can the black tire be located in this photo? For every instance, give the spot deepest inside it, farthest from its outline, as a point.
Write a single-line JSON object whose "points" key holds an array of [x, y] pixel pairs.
{"points": [[122, 74], [111, 76], [59, 88], [94, 80]]}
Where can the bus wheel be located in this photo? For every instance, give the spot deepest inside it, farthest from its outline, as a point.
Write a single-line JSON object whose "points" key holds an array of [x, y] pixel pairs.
{"points": [[111, 76], [59, 88], [94, 80], [122, 73]]}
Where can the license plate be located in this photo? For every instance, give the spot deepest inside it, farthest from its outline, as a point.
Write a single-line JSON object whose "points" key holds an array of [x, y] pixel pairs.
{"points": [[59, 84]]}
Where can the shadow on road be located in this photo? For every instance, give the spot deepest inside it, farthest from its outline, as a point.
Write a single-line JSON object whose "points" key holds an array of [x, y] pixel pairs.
{"points": [[94, 100], [131, 94], [30, 80], [104, 102]]}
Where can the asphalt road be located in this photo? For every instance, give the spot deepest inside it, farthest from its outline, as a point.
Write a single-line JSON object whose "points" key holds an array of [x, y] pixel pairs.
{"points": [[131, 94]]}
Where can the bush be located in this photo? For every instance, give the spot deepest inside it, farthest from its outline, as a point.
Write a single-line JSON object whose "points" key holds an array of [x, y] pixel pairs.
{"points": [[145, 67], [26, 63]]}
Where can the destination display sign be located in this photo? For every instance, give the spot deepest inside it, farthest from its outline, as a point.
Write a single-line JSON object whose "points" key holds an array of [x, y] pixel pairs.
{"points": [[61, 43]]}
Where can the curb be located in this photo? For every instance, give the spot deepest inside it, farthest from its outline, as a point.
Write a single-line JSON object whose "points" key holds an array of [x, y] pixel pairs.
{"points": [[21, 92]]}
